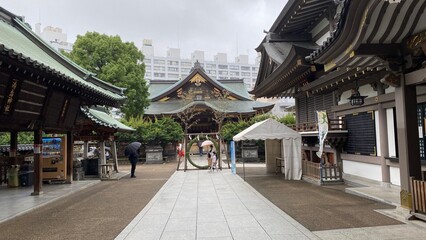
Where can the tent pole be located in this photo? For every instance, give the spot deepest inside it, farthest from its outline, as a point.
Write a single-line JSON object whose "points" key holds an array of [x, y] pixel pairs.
{"points": [[244, 170]]}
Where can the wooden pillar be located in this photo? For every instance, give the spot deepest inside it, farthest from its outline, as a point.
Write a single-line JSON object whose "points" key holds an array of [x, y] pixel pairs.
{"points": [[85, 149], [383, 129], [219, 155], [102, 159], [13, 147], [384, 149], [38, 158], [114, 155], [102, 152], [408, 138], [186, 152], [70, 156]]}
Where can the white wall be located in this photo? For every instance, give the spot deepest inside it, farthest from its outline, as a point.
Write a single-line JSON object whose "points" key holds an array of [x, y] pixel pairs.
{"points": [[364, 170], [391, 132], [377, 127], [395, 176]]}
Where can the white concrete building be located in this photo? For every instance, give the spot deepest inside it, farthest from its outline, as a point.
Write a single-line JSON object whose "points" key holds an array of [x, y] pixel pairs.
{"points": [[54, 36], [174, 67]]}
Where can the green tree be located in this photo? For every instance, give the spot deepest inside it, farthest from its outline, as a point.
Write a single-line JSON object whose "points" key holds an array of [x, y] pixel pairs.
{"points": [[116, 62], [230, 129], [23, 138], [288, 119], [160, 131]]}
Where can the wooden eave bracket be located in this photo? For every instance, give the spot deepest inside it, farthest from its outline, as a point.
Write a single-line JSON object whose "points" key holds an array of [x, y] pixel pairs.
{"points": [[391, 80]]}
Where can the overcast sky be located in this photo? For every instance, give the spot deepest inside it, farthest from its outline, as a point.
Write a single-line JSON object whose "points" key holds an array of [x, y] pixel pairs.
{"points": [[209, 25]]}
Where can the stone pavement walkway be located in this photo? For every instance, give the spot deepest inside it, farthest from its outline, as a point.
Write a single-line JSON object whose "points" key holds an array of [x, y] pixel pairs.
{"points": [[218, 205], [17, 201], [211, 205]]}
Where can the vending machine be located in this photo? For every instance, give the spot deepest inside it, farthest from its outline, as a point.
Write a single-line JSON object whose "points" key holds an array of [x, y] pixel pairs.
{"points": [[54, 153]]}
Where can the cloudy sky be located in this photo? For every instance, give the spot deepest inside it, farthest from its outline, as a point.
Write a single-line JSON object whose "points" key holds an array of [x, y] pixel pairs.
{"points": [[228, 26]]}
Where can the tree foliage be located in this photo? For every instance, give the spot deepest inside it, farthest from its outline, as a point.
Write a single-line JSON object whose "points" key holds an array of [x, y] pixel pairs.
{"points": [[153, 132], [189, 112], [288, 119], [230, 129], [23, 138], [218, 115], [116, 62], [160, 131]]}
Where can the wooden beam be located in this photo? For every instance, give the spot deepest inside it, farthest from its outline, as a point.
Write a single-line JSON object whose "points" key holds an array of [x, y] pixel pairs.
{"points": [[416, 77], [291, 37], [378, 50]]}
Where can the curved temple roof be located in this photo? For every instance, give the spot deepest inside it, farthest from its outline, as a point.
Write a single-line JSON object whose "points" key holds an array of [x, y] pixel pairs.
{"points": [[104, 119], [19, 42], [241, 103]]}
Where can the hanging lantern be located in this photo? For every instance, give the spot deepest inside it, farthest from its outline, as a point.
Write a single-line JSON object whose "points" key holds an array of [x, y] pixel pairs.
{"points": [[356, 99]]}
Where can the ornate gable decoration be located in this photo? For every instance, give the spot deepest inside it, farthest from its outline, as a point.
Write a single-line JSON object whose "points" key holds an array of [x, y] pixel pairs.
{"points": [[197, 80]]}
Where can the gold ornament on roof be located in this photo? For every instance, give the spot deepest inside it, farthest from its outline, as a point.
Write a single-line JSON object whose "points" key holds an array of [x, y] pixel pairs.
{"points": [[179, 92], [197, 80]]}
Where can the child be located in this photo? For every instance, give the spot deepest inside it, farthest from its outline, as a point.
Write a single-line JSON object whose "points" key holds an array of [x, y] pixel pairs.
{"points": [[214, 161], [209, 161]]}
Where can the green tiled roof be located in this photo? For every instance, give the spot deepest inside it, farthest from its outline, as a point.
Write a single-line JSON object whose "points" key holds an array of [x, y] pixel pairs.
{"points": [[237, 91], [175, 106], [102, 118], [156, 88], [237, 87], [18, 41]]}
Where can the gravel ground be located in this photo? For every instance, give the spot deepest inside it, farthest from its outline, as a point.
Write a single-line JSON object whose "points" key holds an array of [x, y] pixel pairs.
{"points": [[317, 207], [98, 212], [104, 210]]}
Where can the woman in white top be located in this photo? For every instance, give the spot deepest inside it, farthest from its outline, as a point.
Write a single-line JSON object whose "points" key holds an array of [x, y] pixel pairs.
{"points": [[214, 161]]}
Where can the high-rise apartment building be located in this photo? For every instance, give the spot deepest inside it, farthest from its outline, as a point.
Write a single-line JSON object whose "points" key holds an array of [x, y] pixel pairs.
{"points": [[173, 67], [54, 36]]}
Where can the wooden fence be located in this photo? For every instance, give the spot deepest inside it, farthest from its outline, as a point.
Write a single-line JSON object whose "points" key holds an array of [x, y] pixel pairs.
{"points": [[311, 169], [418, 191], [325, 174], [331, 174]]}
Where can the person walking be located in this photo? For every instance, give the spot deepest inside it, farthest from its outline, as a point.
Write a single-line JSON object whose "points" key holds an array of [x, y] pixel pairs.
{"points": [[133, 158], [132, 151], [209, 161], [200, 147], [214, 161]]}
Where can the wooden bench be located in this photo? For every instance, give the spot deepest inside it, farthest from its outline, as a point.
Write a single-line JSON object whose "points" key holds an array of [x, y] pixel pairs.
{"points": [[107, 170]]}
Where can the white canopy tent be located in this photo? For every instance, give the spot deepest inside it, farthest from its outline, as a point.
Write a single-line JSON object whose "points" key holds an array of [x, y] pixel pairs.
{"points": [[291, 144]]}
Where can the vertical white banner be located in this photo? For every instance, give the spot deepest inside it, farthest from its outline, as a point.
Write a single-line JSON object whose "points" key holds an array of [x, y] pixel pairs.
{"points": [[322, 130]]}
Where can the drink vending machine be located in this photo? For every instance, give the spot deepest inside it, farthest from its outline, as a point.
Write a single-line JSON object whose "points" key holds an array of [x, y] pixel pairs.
{"points": [[54, 158]]}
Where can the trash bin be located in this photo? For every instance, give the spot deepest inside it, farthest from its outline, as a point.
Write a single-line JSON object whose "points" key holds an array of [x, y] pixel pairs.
{"points": [[12, 176], [26, 178]]}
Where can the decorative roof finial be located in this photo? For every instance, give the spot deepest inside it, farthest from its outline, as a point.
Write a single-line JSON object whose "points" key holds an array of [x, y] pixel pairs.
{"points": [[197, 65]]}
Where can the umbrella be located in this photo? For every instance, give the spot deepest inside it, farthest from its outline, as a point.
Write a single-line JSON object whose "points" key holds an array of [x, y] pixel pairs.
{"points": [[132, 148], [206, 143]]}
